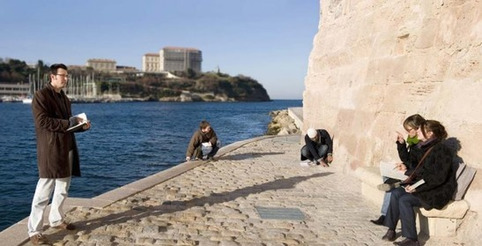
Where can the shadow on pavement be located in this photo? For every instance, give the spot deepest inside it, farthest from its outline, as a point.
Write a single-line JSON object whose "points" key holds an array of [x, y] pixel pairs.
{"points": [[137, 213]]}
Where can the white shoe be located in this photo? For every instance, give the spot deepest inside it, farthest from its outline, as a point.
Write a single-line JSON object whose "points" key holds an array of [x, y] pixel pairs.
{"points": [[304, 164], [307, 164]]}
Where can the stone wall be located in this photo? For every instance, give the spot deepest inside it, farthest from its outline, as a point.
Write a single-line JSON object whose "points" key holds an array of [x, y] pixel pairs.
{"points": [[374, 63]]}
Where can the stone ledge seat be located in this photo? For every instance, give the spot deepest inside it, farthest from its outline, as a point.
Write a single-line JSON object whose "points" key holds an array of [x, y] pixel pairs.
{"points": [[443, 222]]}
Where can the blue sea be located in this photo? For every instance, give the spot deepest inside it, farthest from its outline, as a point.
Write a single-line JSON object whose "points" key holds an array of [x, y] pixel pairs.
{"points": [[127, 142]]}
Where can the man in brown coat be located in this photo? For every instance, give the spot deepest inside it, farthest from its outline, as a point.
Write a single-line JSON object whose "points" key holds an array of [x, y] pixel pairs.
{"points": [[57, 153], [203, 140]]}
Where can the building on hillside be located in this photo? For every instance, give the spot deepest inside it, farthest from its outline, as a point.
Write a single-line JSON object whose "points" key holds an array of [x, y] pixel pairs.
{"points": [[126, 69], [171, 59], [180, 59], [14, 89], [150, 63], [77, 67], [105, 65]]}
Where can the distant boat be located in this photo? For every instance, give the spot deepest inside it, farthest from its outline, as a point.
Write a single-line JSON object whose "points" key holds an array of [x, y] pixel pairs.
{"points": [[27, 100], [32, 88]]}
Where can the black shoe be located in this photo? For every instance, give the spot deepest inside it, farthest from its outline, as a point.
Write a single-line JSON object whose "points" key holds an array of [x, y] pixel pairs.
{"points": [[389, 236], [407, 242], [379, 221]]}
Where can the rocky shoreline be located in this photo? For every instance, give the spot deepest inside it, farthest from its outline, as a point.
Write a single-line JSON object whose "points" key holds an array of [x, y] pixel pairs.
{"points": [[282, 124]]}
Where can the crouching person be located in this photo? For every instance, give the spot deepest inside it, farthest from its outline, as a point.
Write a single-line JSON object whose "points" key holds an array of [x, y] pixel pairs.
{"points": [[204, 143], [318, 148]]}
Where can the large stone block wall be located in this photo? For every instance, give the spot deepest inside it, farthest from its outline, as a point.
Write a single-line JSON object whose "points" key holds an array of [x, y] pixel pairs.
{"points": [[376, 62]]}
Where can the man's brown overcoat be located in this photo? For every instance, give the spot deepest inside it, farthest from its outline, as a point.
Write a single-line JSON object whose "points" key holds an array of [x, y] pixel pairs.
{"points": [[51, 112]]}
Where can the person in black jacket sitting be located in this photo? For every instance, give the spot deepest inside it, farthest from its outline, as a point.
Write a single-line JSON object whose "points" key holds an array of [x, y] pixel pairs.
{"points": [[318, 148], [409, 153], [438, 173]]}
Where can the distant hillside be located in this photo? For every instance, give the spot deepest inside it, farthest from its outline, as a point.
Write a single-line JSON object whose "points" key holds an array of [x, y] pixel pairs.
{"points": [[203, 87], [185, 86]]}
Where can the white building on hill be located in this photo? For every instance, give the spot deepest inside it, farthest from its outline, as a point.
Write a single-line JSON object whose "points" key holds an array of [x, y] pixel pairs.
{"points": [[172, 59]]}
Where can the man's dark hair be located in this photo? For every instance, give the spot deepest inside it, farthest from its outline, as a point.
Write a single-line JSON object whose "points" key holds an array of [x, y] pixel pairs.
{"points": [[204, 124], [56, 66]]}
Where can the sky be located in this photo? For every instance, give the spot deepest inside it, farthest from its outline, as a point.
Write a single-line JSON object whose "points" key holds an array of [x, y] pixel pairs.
{"points": [[267, 40]]}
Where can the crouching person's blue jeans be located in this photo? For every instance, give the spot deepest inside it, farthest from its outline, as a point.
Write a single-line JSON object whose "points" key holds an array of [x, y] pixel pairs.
{"points": [[322, 151]]}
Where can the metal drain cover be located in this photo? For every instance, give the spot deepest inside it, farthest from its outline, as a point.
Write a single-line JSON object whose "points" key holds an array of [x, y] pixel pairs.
{"points": [[280, 213]]}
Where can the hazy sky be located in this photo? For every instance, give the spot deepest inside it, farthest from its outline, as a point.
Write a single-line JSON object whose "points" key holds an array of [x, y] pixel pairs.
{"points": [[268, 40]]}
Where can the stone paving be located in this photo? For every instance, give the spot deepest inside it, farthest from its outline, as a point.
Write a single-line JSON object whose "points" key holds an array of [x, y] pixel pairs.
{"points": [[216, 204]]}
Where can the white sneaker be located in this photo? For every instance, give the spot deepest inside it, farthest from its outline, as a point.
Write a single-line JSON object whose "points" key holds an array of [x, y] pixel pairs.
{"points": [[306, 163]]}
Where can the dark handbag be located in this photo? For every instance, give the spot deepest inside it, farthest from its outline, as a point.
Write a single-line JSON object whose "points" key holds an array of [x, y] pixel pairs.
{"points": [[413, 177]]}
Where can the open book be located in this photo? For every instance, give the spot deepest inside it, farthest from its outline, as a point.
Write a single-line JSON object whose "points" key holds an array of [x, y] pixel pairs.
{"points": [[84, 121], [389, 170], [417, 184]]}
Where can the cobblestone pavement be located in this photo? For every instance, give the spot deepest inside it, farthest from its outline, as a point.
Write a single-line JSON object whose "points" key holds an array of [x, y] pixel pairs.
{"points": [[219, 202]]}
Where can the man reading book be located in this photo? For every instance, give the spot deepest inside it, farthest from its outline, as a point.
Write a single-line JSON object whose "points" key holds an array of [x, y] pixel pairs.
{"points": [[57, 153]]}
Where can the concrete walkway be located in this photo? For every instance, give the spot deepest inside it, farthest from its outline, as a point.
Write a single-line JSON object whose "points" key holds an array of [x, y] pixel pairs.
{"points": [[256, 193]]}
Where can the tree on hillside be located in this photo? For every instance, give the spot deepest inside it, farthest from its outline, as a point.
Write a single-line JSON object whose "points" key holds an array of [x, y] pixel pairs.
{"points": [[14, 70]]}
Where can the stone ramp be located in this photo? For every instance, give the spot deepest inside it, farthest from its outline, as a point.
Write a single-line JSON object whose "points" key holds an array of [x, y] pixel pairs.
{"points": [[222, 203], [296, 113]]}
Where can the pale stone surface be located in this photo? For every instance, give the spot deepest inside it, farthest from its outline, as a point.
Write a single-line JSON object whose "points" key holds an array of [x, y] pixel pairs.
{"points": [[374, 63], [214, 204]]}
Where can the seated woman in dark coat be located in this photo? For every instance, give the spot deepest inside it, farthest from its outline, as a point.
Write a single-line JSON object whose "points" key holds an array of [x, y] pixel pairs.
{"points": [[437, 171]]}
